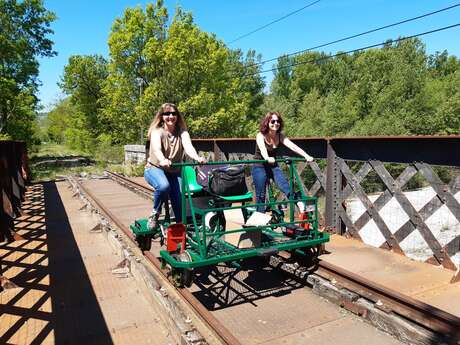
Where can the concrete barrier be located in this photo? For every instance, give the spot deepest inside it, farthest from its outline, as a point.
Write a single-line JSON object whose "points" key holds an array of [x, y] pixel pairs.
{"points": [[134, 154]]}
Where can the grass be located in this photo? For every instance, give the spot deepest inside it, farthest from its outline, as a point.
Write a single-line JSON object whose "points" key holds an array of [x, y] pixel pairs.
{"points": [[55, 151], [51, 174]]}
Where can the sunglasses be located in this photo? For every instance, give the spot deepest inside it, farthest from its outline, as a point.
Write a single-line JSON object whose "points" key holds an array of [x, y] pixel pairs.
{"points": [[275, 121], [167, 113]]}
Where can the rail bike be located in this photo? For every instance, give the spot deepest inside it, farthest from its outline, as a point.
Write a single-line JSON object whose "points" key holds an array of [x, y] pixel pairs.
{"points": [[224, 227]]}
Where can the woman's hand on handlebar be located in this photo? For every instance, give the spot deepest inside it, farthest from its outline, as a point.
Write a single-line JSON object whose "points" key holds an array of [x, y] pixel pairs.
{"points": [[308, 158], [202, 160], [271, 160], [165, 163]]}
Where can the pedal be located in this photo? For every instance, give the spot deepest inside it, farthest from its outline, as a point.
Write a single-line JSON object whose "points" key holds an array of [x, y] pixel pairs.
{"points": [[292, 230]]}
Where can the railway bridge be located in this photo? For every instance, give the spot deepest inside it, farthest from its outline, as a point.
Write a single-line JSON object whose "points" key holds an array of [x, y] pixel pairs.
{"points": [[71, 272]]}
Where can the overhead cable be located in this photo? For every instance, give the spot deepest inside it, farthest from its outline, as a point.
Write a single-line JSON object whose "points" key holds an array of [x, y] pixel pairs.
{"points": [[354, 50], [357, 35], [275, 21]]}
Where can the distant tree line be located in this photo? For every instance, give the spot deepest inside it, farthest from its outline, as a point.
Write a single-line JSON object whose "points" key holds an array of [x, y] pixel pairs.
{"points": [[153, 58], [395, 90]]}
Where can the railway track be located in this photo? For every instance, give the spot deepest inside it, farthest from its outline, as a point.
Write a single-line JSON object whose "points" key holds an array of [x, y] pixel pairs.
{"points": [[383, 298], [220, 330]]}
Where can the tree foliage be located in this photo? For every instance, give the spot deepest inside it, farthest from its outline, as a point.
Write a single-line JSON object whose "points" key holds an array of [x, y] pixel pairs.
{"points": [[83, 79], [155, 59], [395, 90], [24, 30]]}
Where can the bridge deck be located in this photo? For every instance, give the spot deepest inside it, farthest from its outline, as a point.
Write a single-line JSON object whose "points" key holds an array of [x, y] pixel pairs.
{"points": [[67, 293], [425, 282]]}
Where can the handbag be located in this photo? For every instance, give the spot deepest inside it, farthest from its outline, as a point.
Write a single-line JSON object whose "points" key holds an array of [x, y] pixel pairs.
{"points": [[228, 181]]}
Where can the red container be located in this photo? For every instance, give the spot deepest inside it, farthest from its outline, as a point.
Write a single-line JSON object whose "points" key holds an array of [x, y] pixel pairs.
{"points": [[304, 216], [175, 235]]}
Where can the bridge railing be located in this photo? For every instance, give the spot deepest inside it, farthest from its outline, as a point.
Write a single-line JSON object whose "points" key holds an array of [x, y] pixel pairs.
{"points": [[394, 218], [13, 172]]}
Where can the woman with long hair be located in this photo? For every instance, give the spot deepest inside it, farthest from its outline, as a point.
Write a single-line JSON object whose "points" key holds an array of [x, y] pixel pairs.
{"points": [[169, 140], [268, 141]]}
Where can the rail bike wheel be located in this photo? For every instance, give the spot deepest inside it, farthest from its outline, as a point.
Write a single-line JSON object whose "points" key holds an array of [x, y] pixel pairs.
{"points": [[215, 221], [144, 242], [181, 277], [309, 256]]}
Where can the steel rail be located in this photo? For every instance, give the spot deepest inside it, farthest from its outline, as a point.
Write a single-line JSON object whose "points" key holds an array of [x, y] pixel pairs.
{"points": [[221, 331], [135, 185], [410, 308]]}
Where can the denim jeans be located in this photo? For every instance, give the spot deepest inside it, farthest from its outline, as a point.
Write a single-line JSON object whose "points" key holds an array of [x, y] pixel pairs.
{"points": [[261, 176], [165, 184]]}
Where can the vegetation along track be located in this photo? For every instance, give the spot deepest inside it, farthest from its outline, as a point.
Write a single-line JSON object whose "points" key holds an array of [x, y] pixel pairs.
{"points": [[385, 299]]}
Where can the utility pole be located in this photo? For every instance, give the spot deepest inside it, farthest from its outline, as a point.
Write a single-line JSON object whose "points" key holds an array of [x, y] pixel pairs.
{"points": [[140, 81]]}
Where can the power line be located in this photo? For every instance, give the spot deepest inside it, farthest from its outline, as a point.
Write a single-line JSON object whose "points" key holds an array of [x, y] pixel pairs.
{"points": [[275, 21], [357, 35], [354, 50]]}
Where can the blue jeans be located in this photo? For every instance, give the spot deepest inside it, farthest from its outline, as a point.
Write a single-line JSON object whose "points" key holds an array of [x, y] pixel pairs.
{"points": [[261, 176], [165, 184]]}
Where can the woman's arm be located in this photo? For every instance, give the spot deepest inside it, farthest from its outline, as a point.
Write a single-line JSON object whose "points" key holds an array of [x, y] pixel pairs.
{"points": [[260, 140], [293, 147], [189, 149]]}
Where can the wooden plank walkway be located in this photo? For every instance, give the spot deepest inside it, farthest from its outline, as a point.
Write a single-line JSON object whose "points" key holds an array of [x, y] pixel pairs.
{"points": [[66, 292]]}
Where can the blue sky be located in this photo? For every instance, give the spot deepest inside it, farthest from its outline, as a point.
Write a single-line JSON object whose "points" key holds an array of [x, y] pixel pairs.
{"points": [[83, 27]]}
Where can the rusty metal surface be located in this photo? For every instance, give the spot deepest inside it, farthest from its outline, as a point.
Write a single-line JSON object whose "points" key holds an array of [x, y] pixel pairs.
{"points": [[445, 297], [65, 292], [141, 181], [399, 279], [256, 304], [13, 173], [440, 150], [263, 306], [411, 278], [124, 215]]}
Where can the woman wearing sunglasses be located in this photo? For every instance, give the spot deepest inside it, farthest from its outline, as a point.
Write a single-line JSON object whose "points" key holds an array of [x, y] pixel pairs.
{"points": [[268, 141], [169, 140]]}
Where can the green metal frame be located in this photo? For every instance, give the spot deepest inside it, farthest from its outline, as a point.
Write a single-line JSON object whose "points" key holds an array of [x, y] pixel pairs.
{"points": [[208, 248]]}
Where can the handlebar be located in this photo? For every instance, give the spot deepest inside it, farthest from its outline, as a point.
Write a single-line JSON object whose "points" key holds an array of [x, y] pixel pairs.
{"points": [[286, 160]]}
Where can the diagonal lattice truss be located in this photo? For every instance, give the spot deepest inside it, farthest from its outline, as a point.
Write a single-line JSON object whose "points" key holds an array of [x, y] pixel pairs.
{"points": [[319, 184], [413, 223]]}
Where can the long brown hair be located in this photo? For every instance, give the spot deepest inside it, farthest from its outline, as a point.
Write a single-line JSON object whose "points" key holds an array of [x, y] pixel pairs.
{"points": [[158, 121], [263, 128]]}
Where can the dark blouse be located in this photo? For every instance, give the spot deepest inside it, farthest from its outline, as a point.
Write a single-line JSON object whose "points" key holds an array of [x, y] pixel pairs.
{"points": [[271, 150]]}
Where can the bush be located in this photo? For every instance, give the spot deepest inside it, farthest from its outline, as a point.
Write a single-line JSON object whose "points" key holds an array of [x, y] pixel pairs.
{"points": [[106, 152]]}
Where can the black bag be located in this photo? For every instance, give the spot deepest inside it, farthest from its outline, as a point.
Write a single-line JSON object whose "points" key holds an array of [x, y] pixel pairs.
{"points": [[228, 181], [204, 172]]}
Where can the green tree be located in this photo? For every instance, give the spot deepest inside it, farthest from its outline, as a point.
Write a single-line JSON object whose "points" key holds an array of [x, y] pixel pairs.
{"points": [[24, 28], [281, 84], [83, 79], [59, 119], [395, 90], [130, 75], [153, 62]]}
